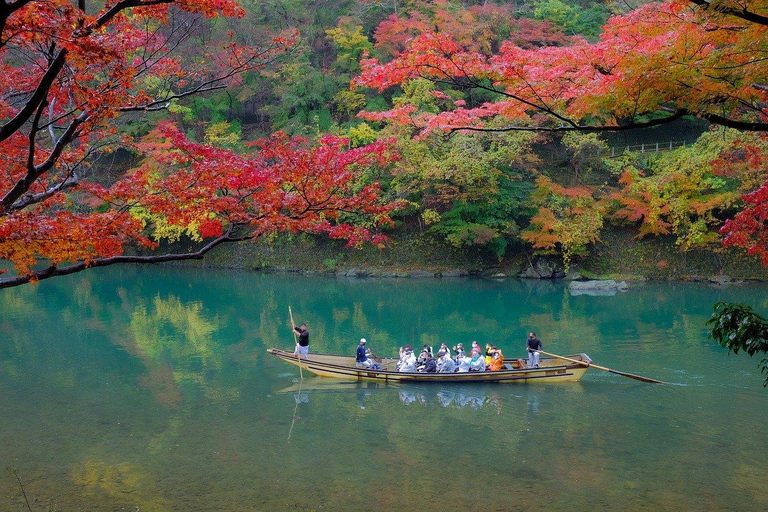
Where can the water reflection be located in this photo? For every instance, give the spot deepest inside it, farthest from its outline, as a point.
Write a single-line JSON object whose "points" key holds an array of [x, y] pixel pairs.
{"points": [[122, 387], [453, 396]]}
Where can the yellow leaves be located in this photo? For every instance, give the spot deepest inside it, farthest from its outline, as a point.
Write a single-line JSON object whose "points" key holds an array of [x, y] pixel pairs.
{"points": [[116, 480], [361, 134], [347, 38], [221, 134], [430, 217]]}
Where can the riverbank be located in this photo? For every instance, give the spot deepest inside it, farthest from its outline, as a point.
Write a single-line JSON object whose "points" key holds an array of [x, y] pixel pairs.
{"points": [[618, 256]]}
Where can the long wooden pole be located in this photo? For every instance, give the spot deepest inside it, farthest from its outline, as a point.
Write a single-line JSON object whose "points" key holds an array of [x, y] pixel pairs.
{"points": [[296, 341], [624, 374]]}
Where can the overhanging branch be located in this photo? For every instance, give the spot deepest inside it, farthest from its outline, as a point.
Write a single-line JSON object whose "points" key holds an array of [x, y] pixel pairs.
{"points": [[677, 114], [54, 271]]}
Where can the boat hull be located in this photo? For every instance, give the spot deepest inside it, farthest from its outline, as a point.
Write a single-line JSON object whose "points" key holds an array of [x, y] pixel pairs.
{"points": [[343, 367]]}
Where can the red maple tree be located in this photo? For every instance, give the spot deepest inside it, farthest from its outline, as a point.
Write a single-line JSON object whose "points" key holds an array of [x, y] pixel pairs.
{"points": [[68, 71], [651, 66]]}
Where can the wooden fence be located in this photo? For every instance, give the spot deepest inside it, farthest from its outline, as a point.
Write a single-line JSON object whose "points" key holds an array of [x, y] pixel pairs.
{"points": [[648, 147]]}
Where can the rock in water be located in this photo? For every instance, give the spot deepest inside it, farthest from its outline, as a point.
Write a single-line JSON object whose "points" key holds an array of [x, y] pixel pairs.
{"points": [[597, 287]]}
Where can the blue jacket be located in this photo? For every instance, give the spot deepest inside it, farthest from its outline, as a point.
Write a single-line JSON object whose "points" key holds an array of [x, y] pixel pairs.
{"points": [[360, 353]]}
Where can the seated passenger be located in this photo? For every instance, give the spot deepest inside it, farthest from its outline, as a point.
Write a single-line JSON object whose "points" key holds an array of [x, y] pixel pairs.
{"points": [[423, 355], [361, 357], [462, 364], [477, 362], [444, 363], [497, 361], [407, 361], [430, 366], [444, 348], [458, 352], [488, 353]]}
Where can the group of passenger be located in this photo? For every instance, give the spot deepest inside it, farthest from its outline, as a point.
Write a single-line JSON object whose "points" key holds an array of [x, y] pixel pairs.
{"points": [[451, 360]]}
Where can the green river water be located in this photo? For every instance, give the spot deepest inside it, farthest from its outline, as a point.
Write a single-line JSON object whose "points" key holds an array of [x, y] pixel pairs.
{"points": [[151, 389]]}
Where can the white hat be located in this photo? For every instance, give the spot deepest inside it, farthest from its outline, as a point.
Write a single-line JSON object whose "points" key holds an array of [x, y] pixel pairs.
{"points": [[362, 340]]}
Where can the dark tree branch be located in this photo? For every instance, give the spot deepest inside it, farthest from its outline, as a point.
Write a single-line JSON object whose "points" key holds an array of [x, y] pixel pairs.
{"points": [[37, 97], [69, 182], [54, 271], [677, 114], [6, 9], [744, 14], [21, 186]]}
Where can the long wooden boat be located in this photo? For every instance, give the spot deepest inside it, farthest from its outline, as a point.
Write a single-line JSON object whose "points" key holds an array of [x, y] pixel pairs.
{"points": [[343, 367]]}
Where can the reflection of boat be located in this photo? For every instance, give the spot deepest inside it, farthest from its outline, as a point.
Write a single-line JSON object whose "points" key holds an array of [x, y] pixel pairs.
{"points": [[343, 367]]}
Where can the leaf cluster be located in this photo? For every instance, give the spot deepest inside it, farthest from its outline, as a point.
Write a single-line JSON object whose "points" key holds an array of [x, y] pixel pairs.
{"points": [[737, 327]]}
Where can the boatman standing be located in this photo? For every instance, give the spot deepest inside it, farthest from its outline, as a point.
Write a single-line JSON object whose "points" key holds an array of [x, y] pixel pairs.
{"points": [[302, 347], [533, 344]]}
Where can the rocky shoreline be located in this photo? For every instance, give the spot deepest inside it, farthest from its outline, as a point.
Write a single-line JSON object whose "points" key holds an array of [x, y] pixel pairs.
{"points": [[620, 258]]}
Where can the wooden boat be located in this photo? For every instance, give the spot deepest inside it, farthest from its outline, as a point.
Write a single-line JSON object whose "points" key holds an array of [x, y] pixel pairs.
{"points": [[550, 369]]}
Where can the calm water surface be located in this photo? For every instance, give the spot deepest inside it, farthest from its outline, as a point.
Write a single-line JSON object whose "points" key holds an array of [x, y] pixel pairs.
{"points": [[151, 389]]}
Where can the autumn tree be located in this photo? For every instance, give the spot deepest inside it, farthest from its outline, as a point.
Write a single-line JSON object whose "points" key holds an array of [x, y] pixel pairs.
{"points": [[71, 71], [651, 66]]}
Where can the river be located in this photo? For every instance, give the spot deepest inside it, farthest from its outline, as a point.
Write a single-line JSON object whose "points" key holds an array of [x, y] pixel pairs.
{"points": [[150, 389]]}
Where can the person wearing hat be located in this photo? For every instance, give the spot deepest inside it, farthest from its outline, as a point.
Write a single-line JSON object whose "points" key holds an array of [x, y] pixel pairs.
{"points": [[488, 353], [361, 359]]}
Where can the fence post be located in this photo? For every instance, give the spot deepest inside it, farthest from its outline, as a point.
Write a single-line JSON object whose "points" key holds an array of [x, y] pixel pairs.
{"points": [[642, 148]]}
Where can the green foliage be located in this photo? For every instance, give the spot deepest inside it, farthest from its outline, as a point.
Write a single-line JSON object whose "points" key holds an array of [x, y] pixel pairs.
{"points": [[491, 223], [419, 93], [737, 327], [347, 103], [679, 193], [573, 18]]}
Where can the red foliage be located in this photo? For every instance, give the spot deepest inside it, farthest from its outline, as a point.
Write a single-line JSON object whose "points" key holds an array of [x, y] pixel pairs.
{"points": [[749, 228], [67, 74], [652, 65]]}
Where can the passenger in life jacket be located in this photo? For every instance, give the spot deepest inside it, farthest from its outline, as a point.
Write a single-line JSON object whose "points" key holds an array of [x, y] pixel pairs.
{"points": [[497, 360]]}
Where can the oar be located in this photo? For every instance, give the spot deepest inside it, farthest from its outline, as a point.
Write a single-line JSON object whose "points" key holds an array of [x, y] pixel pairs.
{"points": [[617, 372], [296, 341]]}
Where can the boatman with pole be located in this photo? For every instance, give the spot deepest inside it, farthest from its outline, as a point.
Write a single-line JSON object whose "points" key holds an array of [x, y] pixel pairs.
{"points": [[302, 345], [533, 345]]}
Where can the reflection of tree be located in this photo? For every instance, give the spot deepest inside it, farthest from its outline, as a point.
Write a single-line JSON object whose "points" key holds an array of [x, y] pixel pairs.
{"points": [[123, 482], [178, 345]]}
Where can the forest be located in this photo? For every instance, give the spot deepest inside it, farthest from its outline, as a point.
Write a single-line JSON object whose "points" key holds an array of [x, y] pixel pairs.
{"points": [[490, 128]]}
